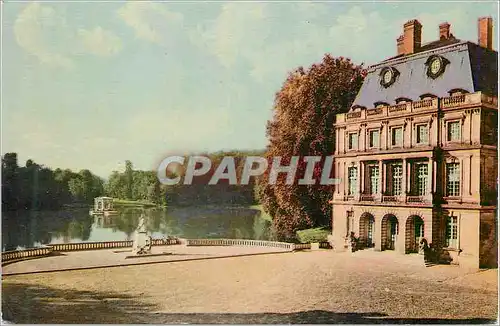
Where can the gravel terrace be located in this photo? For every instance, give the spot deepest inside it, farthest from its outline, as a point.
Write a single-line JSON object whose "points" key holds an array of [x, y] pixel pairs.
{"points": [[299, 287], [116, 257]]}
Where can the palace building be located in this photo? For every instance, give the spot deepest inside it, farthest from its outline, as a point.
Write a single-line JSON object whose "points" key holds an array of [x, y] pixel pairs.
{"points": [[417, 151]]}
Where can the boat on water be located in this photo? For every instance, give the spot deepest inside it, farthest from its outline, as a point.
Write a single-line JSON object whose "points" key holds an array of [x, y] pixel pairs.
{"points": [[103, 206]]}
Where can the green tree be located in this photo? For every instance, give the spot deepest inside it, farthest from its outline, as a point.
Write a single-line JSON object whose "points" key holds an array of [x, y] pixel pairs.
{"points": [[304, 113], [129, 177], [77, 189], [10, 182]]}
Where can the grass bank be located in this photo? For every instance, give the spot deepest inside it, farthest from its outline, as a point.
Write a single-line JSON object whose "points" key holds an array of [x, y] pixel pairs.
{"points": [[132, 203], [318, 234], [313, 235]]}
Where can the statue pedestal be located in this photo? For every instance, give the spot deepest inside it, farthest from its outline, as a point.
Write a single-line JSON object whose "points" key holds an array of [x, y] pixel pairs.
{"points": [[142, 244]]}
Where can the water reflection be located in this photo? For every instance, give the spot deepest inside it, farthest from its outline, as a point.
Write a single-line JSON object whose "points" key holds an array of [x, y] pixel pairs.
{"points": [[32, 229]]}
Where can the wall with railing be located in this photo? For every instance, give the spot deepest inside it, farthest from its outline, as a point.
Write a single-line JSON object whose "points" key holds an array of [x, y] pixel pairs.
{"points": [[239, 242], [17, 255], [409, 108], [108, 245], [14, 255], [257, 243]]}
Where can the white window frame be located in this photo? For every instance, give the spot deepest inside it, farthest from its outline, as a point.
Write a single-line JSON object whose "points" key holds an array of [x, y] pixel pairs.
{"points": [[448, 131], [418, 139], [397, 179], [355, 144], [422, 179], [374, 171], [455, 183], [393, 130], [377, 144], [352, 188], [452, 232]]}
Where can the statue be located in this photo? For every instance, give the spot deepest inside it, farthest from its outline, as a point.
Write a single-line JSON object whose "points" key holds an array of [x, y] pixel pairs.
{"points": [[353, 242], [142, 242], [423, 247]]}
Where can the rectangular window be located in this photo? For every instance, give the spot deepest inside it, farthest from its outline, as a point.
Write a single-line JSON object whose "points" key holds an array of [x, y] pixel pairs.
{"points": [[374, 138], [422, 178], [374, 179], [452, 232], [454, 131], [353, 141], [397, 136], [452, 179], [422, 134], [353, 180], [397, 179]]}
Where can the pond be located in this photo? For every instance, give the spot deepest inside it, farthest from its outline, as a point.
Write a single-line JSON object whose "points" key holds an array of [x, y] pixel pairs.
{"points": [[28, 229]]}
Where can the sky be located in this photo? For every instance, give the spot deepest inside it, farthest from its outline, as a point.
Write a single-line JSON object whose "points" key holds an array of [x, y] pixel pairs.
{"points": [[88, 85]]}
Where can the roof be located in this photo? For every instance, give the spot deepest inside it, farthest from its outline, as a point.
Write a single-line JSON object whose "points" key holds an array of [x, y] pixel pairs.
{"points": [[438, 44], [471, 68]]}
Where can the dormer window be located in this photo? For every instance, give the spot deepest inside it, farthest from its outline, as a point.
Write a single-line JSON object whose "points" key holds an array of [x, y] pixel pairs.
{"points": [[427, 96], [355, 108], [380, 104], [402, 100], [436, 66], [388, 76], [457, 91]]}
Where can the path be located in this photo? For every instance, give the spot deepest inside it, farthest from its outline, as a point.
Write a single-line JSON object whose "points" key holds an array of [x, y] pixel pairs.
{"points": [[117, 257], [299, 287]]}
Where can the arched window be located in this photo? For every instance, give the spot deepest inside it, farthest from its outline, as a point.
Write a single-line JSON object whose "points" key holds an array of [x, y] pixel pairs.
{"points": [[457, 91], [357, 108], [401, 100], [380, 104], [427, 96]]}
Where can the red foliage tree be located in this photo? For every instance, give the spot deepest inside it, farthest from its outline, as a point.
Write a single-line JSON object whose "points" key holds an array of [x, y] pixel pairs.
{"points": [[304, 114]]}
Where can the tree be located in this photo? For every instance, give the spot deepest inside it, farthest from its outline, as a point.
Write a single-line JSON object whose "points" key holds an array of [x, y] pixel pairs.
{"points": [[10, 182], [304, 113], [77, 189], [36, 187], [115, 187], [129, 177]]}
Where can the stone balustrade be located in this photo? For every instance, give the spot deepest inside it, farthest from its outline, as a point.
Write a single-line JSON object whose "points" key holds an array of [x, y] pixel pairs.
{"points": [[398, 107], [238, 242], [90, 245], [108, 245], [354, 115], [424, 104], [477, 98], [377, 111], [453, 101], [25, 254], [62, 247], [15, 255]]}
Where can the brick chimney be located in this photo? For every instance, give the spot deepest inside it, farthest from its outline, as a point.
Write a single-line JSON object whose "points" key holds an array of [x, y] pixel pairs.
{"points": [[401, 44], [412, 36], [444, 31], [485, 32]]}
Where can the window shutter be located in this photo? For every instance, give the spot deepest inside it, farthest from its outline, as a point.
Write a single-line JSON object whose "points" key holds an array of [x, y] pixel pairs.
{"points": [[389, 183]]}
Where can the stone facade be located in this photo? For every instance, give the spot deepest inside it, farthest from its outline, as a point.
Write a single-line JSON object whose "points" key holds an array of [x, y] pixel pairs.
{"points": [[417, 152]]}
